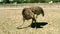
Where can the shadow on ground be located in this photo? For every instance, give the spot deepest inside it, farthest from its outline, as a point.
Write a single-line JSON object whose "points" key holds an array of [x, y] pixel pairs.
{"points": [[35, 25]]}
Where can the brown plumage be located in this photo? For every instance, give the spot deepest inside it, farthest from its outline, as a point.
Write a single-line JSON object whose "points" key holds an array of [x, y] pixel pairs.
{"points": [[29, 13]]}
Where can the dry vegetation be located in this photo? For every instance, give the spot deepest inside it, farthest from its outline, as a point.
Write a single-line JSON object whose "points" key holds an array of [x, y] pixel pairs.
{"points": [[11, 17]]}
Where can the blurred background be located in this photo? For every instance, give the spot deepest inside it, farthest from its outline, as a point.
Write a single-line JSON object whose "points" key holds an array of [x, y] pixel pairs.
{"points": [[27, 1]]}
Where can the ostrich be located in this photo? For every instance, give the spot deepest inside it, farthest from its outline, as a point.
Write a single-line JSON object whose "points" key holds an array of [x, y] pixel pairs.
{"points": [[29, 13]]}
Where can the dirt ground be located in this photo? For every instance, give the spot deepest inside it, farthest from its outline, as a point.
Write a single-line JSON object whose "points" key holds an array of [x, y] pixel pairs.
{"points": [[11, 18]]}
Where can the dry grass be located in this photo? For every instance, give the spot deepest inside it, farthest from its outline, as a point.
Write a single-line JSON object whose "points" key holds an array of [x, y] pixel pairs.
{"points": [[11, 17]]}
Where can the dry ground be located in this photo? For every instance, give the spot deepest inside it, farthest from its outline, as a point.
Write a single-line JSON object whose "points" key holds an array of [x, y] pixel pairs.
{"points": [[11, 17]]}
